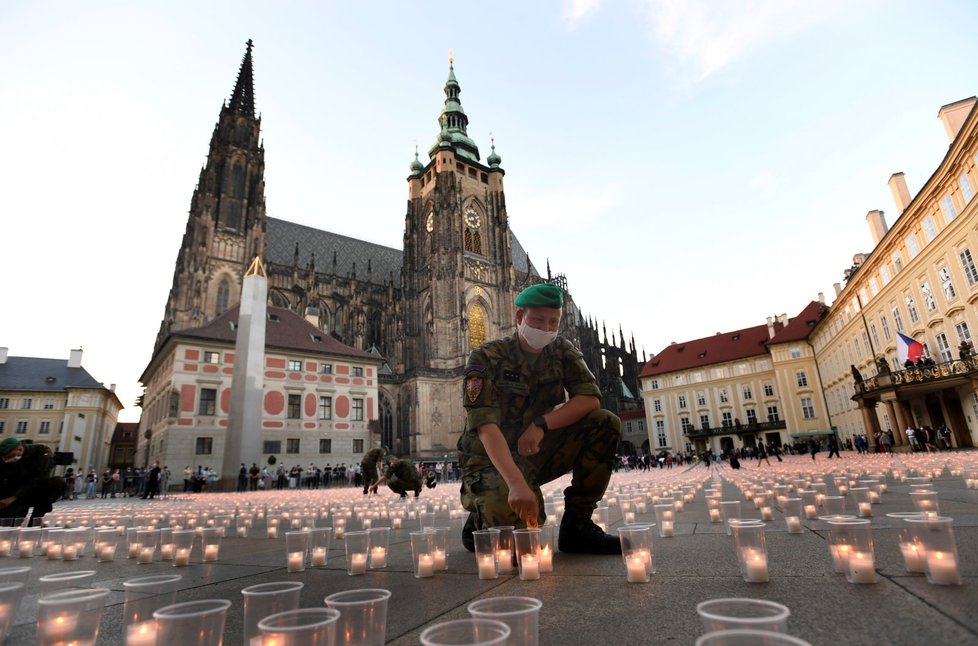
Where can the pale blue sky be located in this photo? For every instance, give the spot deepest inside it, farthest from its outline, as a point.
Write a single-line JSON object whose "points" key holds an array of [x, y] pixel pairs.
{"points": [[691, 165]]}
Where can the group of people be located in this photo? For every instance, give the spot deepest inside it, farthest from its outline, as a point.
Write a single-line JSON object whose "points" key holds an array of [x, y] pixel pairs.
{"points": [[926, 438]]}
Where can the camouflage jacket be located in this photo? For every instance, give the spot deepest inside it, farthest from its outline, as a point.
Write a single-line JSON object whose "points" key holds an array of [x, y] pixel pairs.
{"points": [[500, 387]]}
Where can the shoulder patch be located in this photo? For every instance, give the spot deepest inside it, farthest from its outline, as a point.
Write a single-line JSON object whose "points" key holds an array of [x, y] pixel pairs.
{"points": [[473, 387]]}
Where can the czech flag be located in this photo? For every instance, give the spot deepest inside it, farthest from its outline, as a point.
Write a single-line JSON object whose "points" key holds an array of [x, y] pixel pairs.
{"points": [[908, 348]]}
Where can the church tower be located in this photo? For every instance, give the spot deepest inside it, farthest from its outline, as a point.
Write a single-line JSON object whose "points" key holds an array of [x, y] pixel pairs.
{"points": [[458, 275], [226, 226]]}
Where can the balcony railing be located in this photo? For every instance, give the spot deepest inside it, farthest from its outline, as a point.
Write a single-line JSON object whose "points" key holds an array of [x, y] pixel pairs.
{"points": [[738, 429], [925, 374]]}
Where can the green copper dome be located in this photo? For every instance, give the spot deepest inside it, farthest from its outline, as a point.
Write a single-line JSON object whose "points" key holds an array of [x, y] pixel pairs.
{"points": [[454, 122]]}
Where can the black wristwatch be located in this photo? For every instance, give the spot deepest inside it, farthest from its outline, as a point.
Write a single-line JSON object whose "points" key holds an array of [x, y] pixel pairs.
{"points": [[541, 421]]}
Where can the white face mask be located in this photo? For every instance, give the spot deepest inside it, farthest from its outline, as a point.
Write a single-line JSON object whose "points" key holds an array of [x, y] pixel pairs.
{"points": [[536, 339], [9, 460]]}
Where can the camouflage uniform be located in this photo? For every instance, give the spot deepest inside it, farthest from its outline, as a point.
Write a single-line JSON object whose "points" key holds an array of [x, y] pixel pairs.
{"points": [[505, 386], [402, 476], [30, 481], [371, 466]]}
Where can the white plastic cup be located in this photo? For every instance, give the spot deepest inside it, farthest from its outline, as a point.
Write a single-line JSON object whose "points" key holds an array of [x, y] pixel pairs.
{"points": [[521, 614], [466, 632], [742, 613], [363, 616]]}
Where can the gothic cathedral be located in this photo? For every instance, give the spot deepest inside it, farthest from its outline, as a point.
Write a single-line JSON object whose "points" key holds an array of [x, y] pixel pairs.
{"points": [[422, 309]]}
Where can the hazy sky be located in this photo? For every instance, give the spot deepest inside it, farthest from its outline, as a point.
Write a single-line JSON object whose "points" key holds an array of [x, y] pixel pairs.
{"points": [[692, 166]]}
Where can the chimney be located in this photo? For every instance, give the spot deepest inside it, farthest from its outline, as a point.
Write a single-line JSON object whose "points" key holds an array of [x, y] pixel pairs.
{"points": [[783, 320], [112, 388], [770, 327], [877, 224], [74, 360], [953, 115], [901, 195], [3, 356], [821, 298], [838, 288]]}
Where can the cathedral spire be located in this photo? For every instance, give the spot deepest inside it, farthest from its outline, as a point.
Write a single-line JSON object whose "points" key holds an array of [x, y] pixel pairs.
{"points": [[454, 122], [243, 96]]}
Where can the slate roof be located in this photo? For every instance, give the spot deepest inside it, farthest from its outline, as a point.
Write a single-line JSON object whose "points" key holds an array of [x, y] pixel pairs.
{"points": [[284, 330], [731, 346], [52, 375], [281, 238]]}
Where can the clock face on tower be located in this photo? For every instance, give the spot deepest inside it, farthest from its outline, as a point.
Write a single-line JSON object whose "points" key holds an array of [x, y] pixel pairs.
{"points": [[471, 218], [429, 224]]}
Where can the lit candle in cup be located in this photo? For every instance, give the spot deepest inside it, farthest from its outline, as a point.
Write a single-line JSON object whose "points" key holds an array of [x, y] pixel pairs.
{"points": [[629, 517], [755, 565], [378, 557], [840, 557], [242, 532], [530, 570], [272, 531], [338, 533], [794, 524], [358, 563], [943, 568], [396, 522], [426, 565], [141, 634], [145, 555], [210, 552], [166, 552], [5, 548], [636, 569], [646, 556], [546, 559], [60, 628], [182, 557], [714, 515], [319, 557], [667, 529], [296, 562], [487, 567], [810, 511], [913, 557], [134, 550], [767, 513], [54, 551], [106, 553], [69, 552], [504, 560], [438, 555], [861, 568], [865, 509]]}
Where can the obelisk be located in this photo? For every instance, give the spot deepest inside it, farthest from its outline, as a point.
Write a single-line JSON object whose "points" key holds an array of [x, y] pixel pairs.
{"points": [[242, 441]]}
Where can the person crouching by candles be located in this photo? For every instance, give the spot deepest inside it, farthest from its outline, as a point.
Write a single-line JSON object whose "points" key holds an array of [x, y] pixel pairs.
{"points": [[371, 468], [522, 432], [402, 476], [26, 480]]}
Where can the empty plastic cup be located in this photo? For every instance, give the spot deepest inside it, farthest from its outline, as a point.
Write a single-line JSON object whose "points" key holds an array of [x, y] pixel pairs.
{"points": [[754, 614], [521, 614], [363, 616], [466, 632]]}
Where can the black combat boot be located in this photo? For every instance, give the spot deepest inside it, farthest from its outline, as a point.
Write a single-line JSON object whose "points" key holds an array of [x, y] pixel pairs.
{"points": [[579, 535], [467, 539]]}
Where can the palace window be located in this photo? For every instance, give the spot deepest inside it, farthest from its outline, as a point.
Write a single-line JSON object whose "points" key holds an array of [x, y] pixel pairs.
{"points": [[295, 365], [700, 399], [751, 416], [357, 371], [657, 405], [21, 427], [681, 401], [768, 390], [964, 334], [885, 326], [660, 431], [748, 393], [727, 419], [325, 445], [654, 383], [358, 446], [885, 274], [944, 347], [876, 336], [968, 264], [801, 378], [772, 414], [325, 368], [912, 247], [944, 274], [25, 403], [295, 407], [912, 309], [4, 402], [685, 423], [204, 446], [325, 407], [292, 445], [704, 421], [897, 262], [357, 409], [212, 357], [947, 207], [929, 303], [723, 396], [807, 409], [966, 191], [271, 446], [930, 231], [208, 401], [795, 352]]}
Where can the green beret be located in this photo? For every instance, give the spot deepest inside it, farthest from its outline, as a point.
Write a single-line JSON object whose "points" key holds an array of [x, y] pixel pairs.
{"points": [[8, 444], [541, 295]]}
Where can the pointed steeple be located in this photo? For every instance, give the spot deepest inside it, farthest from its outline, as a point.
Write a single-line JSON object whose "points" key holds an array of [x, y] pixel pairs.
{"points": [[453, 122], [243, 96]]}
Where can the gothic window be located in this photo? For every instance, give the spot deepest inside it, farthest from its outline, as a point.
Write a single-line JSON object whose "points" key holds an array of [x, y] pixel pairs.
{"points": [[477, 325], [223, 294], [237, 181], [233, 218], [373, 330], [386, 422], [473, 241]]}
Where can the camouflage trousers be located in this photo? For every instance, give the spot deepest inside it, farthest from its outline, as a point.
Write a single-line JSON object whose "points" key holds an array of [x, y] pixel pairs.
{"points": [[402, 487], [586, 449]]}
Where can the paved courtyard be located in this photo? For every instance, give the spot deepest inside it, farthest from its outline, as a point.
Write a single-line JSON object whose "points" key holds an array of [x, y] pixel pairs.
{"points": [[586, 600]]}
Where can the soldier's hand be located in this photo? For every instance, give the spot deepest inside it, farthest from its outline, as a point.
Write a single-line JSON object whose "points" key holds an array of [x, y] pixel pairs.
{"points": [[529, 442], [523, 501]]}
